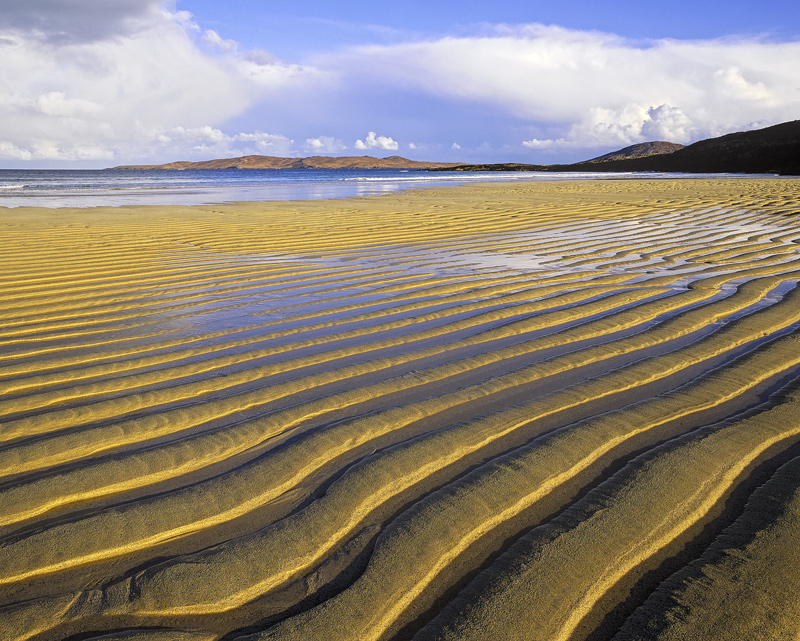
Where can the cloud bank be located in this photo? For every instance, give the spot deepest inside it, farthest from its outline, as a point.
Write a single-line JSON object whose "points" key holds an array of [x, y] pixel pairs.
{"points": [[596, 89], [90, 80], [134, 81]]}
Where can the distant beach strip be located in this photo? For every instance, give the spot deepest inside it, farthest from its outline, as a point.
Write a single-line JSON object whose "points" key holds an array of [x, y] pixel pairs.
{"points": [[142, 187], [556, 411]]}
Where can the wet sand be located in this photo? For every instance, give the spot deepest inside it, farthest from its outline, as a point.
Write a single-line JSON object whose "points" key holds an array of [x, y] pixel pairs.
{"points": [[556, 411]]}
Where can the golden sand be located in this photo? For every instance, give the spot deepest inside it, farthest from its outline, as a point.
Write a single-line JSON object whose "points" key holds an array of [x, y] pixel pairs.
{"points": [[537, 410]]}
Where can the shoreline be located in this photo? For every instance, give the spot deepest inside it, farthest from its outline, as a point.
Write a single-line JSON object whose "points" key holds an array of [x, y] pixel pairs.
{"points": [[372, 417], [19, 191]]}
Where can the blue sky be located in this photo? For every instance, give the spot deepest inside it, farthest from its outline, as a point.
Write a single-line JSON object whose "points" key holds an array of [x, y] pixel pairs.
{"points": [[298, 29], [93, 83]]}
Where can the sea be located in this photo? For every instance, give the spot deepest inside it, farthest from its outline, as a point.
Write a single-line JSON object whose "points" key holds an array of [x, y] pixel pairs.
{"points": [[120, 187]]}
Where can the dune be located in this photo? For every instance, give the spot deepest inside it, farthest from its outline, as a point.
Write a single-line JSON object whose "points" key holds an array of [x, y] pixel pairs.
{"points": [[557, 410]]}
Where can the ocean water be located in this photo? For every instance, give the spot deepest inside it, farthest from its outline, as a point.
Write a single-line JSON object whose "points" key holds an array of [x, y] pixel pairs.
{"points": [[117, 187]]}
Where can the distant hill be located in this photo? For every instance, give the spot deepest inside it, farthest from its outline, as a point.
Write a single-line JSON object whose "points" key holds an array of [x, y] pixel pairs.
{"points": [[773, 150], [640, 150], [312, 162]]}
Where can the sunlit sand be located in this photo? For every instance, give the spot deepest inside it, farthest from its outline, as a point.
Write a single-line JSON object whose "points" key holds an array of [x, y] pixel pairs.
{"points": [[552, 411]]}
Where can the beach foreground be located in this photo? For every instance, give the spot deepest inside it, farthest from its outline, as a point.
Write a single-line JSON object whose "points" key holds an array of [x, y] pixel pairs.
{"points": [[553, 410]]}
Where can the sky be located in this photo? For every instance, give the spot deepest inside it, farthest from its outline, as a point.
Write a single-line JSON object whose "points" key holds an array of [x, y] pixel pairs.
{"points": [[100, 83]]}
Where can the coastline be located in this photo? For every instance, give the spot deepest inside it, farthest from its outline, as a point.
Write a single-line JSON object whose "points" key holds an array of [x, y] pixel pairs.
{"points": [[372, 417], [164, 187]]}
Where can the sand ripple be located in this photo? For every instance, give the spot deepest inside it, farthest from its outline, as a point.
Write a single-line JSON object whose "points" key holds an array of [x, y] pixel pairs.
{"points": [[536, 411]]}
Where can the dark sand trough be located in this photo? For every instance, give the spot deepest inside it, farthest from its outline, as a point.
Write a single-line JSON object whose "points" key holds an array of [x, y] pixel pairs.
{"points": [[551, 411]]}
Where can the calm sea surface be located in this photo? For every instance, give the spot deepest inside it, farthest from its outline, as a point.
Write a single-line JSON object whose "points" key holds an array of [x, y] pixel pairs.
{"points": [[115, 187]]}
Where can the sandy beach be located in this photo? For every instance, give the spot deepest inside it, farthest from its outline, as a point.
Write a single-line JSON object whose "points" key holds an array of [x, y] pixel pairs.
{"points": [[553, 411]]}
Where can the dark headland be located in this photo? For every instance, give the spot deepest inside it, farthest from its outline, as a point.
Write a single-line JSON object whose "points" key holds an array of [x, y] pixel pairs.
{"points": [[773, 150]]}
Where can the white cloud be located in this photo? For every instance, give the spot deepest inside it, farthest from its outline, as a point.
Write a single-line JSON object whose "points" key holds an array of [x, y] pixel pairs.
{"points": [[259, 57], [730, 81], [535, 143], [213, 39], [380, 142], [325, 145], [595, 89], [608, 127], [56, 103], [667, 123], [125, 83], [212, 142], [10, 150], [206, 134], [131, 80]]}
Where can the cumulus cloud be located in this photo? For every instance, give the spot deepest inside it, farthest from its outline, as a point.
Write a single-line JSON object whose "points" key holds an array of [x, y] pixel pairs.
{"points": [[595, 89], [535, 143], [666, 122], [380, 142], [211, 141], [94, 95], [135, 80], [601, 127], [96, 80], [10, 150], [56, 103], [213, 39], [325, 145]]}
